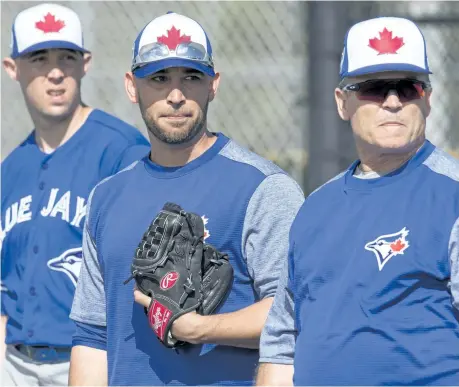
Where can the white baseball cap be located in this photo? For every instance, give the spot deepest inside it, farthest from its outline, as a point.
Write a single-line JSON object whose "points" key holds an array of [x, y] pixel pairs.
{"points": [[384, 44], [46, 26], [171, 40]]}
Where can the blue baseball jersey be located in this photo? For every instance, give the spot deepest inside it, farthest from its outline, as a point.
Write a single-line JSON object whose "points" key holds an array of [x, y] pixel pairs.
{"points": [[247, 204], [43, 206], [370, 294]]}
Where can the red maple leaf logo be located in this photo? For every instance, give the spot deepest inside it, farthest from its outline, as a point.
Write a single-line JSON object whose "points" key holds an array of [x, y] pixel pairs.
{"points": [[50, 24], [206, 231], [386, 44], [398, 245], [173, 38]]}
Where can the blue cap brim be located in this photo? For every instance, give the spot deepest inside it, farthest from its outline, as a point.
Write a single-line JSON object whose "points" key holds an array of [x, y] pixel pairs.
{"points": [[49, 45], [154, 67], [380, 68]]}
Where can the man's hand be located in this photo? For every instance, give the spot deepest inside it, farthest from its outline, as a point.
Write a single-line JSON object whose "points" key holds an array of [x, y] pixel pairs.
{"points": [[186, 328], [232, 329]]}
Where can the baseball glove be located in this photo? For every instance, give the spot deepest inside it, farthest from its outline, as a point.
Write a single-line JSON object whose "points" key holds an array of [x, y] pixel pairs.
{"points": [[217, 279], [167, 266], [179, 271]]}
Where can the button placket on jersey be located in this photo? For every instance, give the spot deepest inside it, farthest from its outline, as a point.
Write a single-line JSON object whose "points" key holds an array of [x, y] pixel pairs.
{"points": [[43, 188], [29, 303], [40, 202], [30, 293], [43, 169]]}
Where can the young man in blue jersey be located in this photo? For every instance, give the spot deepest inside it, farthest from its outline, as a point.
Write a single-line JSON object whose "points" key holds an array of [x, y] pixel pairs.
{"points": [[46, 182], [370, 292], [247, 204]]}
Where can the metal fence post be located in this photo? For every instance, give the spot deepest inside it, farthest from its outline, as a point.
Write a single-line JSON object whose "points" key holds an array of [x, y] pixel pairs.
{"points": [[328, 137]]}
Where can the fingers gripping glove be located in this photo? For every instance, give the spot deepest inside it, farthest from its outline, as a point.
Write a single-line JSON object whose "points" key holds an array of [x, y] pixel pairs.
{"points": [[167, 266], [217, 279]]}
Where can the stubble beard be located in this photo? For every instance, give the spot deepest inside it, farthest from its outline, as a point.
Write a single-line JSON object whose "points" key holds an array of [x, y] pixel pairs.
{"points": [[175, 137]]}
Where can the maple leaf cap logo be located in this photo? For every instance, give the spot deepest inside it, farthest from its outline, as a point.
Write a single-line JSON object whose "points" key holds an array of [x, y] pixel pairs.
{"points": [[386, 44], [173, 38], [50, 24]]}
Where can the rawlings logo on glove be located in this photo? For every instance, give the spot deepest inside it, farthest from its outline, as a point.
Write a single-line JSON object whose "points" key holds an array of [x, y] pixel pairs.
{"points": [[169, 280], [180, 273]]}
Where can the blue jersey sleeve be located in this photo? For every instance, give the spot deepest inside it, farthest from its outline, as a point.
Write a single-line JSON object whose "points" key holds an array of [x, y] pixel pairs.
{"points": [[4, 290], [88, 335], [454, 261], [277, 342], [7, 299], [4, 313], [130, 155], [89, 301], [7, 296], [267, 223], [125, 145]]}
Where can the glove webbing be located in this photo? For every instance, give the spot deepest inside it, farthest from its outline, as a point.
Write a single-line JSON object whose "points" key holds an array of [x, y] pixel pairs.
{"points": [[188, 286], [158, 231]]}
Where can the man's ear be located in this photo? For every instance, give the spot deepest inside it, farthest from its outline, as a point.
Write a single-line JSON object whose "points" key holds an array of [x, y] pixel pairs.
{"points": [[214, 86], [129, 86], [11, 68], [428, 105], [341, 104], [87, 60]]}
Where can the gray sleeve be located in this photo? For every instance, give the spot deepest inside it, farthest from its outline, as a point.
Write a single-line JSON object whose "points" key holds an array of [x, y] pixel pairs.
{"points": [[89, 301], [454, 261], [277, 342], [265, 235]]}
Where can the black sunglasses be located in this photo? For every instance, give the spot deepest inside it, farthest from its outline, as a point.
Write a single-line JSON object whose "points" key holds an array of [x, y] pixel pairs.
{"points": [[376, 90]]}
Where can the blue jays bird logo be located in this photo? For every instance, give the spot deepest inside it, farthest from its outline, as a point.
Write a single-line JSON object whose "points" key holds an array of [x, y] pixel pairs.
{"points": [[69, 262], [387, 246]]}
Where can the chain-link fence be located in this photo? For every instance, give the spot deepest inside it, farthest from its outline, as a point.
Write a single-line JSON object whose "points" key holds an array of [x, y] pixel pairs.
{"points": [[263, 51], [439, 22], [330, 140], [259, 49]]}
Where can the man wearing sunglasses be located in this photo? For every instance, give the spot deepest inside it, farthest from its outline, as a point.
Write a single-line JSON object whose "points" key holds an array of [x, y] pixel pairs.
{"points": [[247, 205], [370, 292]]}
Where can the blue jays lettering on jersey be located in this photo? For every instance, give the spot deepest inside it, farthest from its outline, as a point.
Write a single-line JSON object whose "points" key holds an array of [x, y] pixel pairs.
{"points": [[370, 274], [44, 200], [247, 205]]}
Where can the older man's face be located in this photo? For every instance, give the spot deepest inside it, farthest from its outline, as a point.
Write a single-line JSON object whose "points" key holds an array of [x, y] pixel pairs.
{"points": [[393, 122]]}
